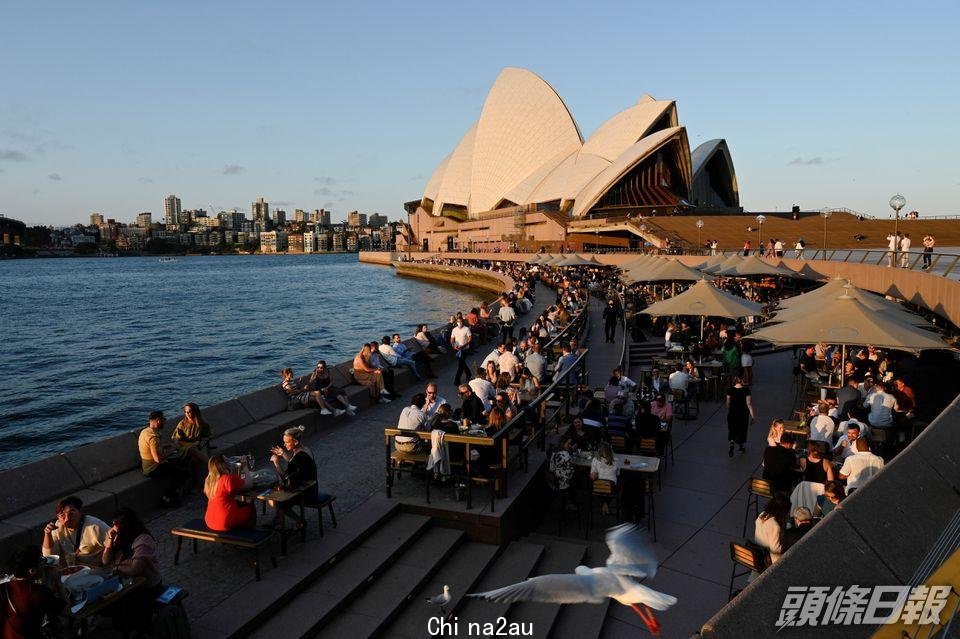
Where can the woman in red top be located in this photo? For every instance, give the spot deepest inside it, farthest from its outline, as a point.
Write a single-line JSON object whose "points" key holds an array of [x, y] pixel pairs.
{"points": [[224, 512]]}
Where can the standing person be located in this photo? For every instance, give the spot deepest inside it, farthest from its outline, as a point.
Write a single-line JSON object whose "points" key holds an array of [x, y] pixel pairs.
{"points": [[893, 241], [739, 415], [75, 533], [507, 317], [905, 243], [799, 247], [746, 248], [611, 314], [746, 362], [777, 248], [460, 339], [713, 247], [928, 244], [157, 463]]}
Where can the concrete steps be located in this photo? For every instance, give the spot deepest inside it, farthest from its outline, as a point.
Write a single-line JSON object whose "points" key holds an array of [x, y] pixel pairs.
{"points": [[559, 556], [584, 621], [514, 564]]}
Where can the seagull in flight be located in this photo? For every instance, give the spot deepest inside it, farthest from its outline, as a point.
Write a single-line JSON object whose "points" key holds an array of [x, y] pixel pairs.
{"points": [[631, 558], [441, 600]]}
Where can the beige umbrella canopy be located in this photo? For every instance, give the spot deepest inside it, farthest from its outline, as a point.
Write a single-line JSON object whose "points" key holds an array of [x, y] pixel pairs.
{"points": [[878, 304], [829, 291], [553, 260], [753, 265], [728, 262], [848, 321], [575, 260], [638, 262], [674, 271], [537, 259], [705, 300], [713, 260]]}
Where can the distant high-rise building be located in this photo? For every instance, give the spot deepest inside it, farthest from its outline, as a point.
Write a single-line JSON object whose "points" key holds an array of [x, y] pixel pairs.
{"points": [[144, 219], [377, 220], [299, 215], [279, 217], [355, 218], [96, 219], [261, 214], [185, 217], [322, 216], [171, 209]]}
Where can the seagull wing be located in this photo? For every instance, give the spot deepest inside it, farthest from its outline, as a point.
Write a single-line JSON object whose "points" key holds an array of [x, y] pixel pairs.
{"points": [[634, 592], [582, 588], [630, 552]]}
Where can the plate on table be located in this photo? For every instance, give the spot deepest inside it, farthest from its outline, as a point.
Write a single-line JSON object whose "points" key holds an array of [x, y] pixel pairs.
{"points": [[477, 432], [81, 581], [51, 560]]}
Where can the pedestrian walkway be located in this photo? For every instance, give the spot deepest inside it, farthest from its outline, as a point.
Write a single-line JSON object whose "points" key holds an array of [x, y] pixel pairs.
{"points": [[700, 509]]}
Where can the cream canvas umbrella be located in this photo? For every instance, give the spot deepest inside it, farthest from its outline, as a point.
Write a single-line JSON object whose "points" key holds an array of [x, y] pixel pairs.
{"points": [[705, 300], [829, 291], [893, 310], [753, 265], [713, 260], [848, 321], [674, 271], [575, 260], [536, 259], [728, 262], [638, 262]]}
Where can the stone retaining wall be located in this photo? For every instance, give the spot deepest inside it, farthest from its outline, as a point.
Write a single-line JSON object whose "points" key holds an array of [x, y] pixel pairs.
{"points": [[106, 474]]}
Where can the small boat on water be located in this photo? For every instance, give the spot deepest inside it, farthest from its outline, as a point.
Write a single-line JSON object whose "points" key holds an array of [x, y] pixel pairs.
{"points": [[164, 260]]}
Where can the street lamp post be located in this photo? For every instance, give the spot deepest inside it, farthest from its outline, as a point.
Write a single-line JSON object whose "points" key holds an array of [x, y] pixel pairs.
{"points": [[897, 202], [409, 235], [825, 213], [760, 220], [699, 226]]}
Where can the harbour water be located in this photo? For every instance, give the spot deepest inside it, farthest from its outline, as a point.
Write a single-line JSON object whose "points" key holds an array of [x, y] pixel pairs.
{"points": [[89, 346]]}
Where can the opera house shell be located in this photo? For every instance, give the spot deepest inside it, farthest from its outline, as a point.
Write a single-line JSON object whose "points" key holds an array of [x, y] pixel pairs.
{"points": [[525, 161]]}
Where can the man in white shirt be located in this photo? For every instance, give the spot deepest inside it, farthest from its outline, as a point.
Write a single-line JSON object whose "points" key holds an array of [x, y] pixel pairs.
{"points": [[679, 380], [508, 362], [412, 418], [858, 468], [623, 381], [396, 359], [493, 356], [434, 401], [483, 389], [882, 405], [893, 241], [460, 338], [846, 446]]}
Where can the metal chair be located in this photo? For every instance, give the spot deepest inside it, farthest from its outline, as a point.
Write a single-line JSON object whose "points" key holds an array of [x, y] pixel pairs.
{"points": [[647, 446], [749, 555], [756, 488]]}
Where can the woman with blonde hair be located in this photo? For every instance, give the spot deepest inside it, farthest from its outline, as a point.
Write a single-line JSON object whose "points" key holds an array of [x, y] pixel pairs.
{"points": [[368, 375], [776, 430], [221, 486], [605, 467], [296, 467]]}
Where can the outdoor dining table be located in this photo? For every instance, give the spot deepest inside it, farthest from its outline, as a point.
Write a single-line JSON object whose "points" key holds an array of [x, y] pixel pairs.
{"points": [[794, 428], [628, 463], [126, 586], [277, 498]]}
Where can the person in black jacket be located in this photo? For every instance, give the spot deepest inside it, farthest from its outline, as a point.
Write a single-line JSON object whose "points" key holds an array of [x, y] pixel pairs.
{"points": [[300, 469], [611, 315], [780, 464], [471, 406]]}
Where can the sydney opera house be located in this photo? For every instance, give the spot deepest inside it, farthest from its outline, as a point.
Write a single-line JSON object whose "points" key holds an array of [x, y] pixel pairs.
{"points": [[523, 174]]}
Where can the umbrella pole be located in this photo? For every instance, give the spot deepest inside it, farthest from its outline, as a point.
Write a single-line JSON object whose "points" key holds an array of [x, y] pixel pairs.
{"points": [[702, 318], [843, 362]]}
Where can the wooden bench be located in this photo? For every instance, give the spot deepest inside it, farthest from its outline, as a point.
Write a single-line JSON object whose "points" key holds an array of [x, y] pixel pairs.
{"points": [[250, 538]]}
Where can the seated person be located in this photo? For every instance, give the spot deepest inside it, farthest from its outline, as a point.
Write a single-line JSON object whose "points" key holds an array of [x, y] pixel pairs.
{"points": [[622, 381], [822, 426], [662, 409], [775, 432], [604, 466], [833, 494], [769, 526], [580, 436], [679, 380], [303, 395], [300, 469], [815, 467], [379, 363], [594, 414], [780, 464], [159, 463], [906, 399], [657, 383], [443, 420], [427, 341], [808, 365], [561, 465], [847, 444], [393, 358], [471, 406], [369, 375], [131, 551], [858, 468], [412, 418], [803, 520], [422, 360], [483, 388], [26, 602], [224, 512], [626, 405], [322, 381], [192, 435], [617, 422], [75, 533]]}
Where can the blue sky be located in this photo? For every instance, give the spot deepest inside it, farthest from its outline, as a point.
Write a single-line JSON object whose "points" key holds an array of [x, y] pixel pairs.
{"points": [[108, 105]]}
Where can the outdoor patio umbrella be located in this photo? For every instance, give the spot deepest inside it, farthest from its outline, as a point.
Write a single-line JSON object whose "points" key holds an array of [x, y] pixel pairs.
{"points": [[829, 291], [753, 265], [705, 300], [730, 261], [875, 303], [848, 321], [553, 260], [713, 260], [536, 259], [575, 260], [674, 271], [637, 262]]}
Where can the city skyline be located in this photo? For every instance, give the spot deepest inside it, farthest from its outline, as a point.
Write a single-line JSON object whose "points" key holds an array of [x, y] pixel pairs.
{"points": [[822, 105]]}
